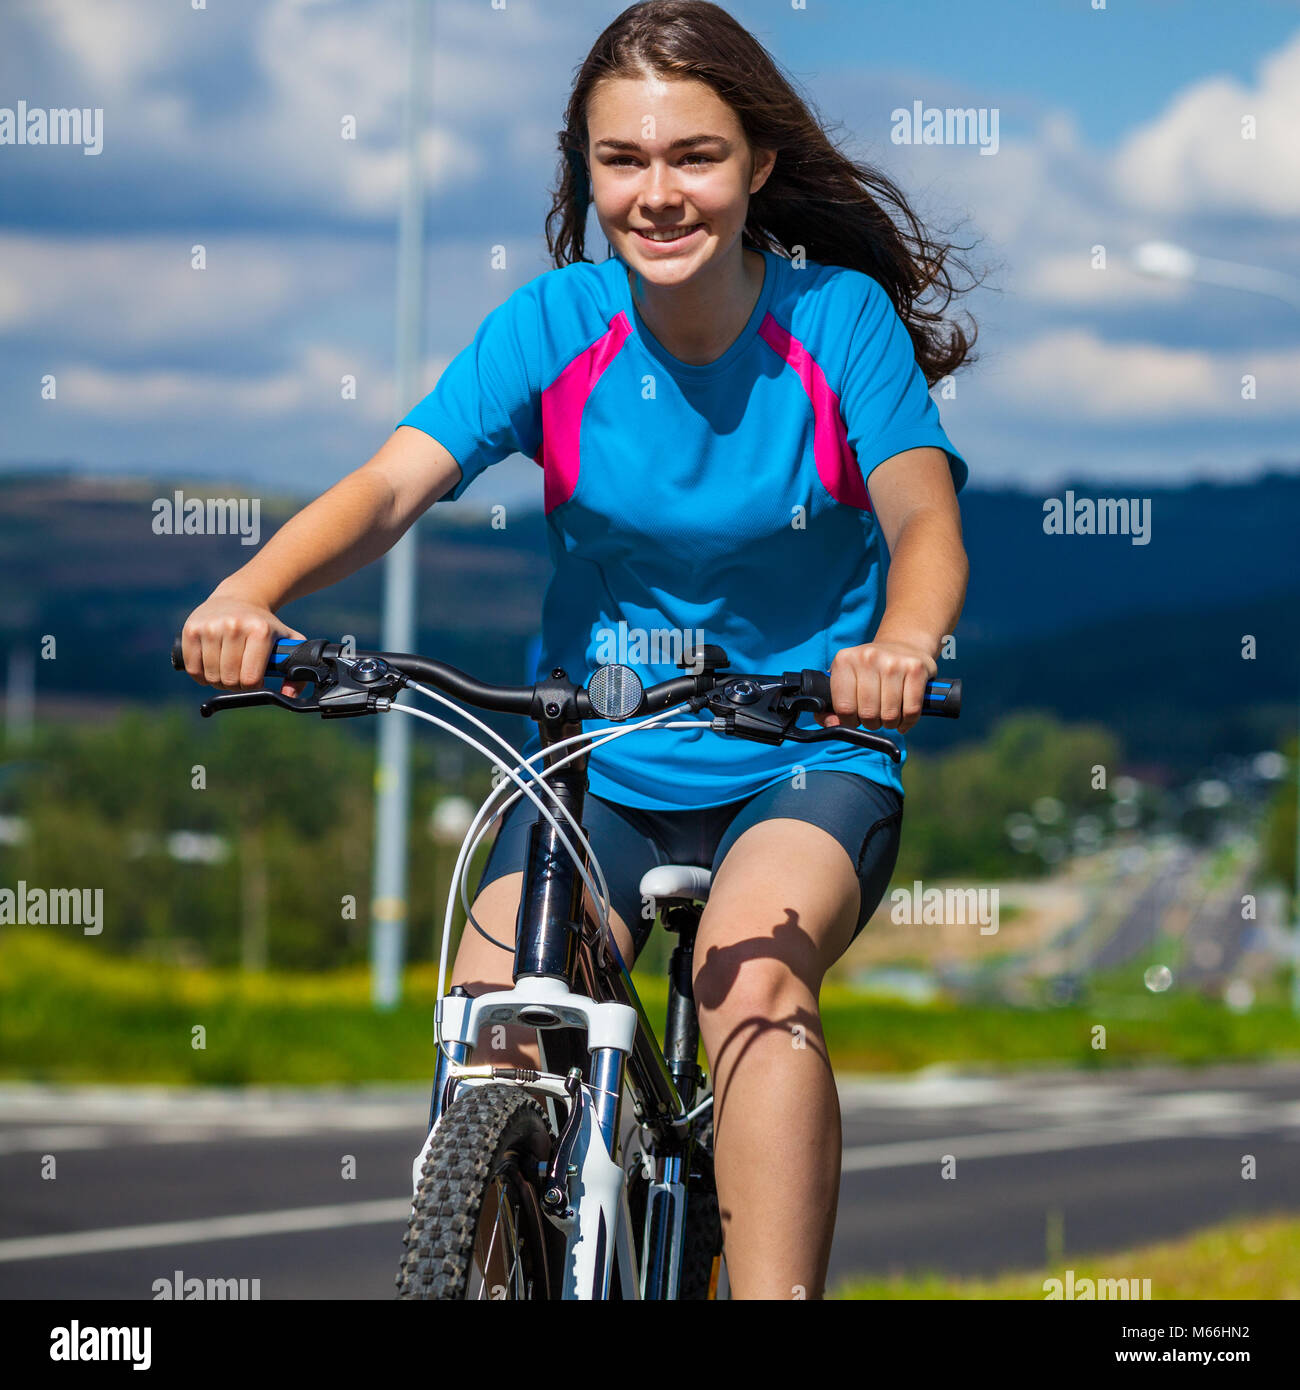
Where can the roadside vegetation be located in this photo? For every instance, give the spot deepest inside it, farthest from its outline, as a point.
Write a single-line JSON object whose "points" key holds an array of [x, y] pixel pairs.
{"points": [[1255, 1258], [69, 1011]]}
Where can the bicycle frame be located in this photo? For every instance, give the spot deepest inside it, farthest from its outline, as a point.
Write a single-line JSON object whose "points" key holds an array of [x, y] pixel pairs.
{"points": [[559, 946]]}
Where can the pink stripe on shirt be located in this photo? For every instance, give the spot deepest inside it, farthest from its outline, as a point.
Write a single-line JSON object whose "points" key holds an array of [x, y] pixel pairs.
{"points": [[563, 402], [837, 465]]}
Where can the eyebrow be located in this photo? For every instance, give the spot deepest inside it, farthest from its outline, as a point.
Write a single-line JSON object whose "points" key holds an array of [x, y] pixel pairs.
{"points": [[687, 141]]}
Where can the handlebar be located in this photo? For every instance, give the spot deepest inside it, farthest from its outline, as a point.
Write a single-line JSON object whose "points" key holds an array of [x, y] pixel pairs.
{"points": [[301, 661], [757, 707]]}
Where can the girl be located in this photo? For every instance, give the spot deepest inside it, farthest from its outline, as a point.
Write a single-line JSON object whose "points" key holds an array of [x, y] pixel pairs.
{"points": [[732, 414]]}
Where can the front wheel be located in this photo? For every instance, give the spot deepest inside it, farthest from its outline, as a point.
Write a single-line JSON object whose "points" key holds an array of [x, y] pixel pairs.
{"points": [[476, 1228]]}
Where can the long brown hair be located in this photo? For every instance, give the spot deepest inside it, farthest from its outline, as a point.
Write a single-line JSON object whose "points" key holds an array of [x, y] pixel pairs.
{"points": [[815, 197]]}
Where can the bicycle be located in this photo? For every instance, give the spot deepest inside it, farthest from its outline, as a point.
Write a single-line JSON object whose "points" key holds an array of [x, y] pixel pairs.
{"points": [[532, 1183]]}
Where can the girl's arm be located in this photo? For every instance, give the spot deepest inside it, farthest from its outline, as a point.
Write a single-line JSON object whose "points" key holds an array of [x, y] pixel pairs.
{"points": [[881, 684], [227, 640]]}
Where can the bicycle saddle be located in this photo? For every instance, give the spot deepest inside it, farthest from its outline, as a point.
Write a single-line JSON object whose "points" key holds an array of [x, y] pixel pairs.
{"points": [[688, 881]]}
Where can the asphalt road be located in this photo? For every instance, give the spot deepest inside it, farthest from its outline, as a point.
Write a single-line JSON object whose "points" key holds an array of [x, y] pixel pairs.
{"points": [[1141, 923], [251, 1185]]}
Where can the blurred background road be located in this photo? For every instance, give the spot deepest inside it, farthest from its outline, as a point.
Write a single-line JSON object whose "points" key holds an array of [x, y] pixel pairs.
{"points": [[249, 1186]]}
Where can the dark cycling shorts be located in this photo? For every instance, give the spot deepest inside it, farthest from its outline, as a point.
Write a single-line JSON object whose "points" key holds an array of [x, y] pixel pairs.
{"points": [[864, 816]]}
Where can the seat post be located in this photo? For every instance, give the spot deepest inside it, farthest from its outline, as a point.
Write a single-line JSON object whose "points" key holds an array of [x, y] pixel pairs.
{"points": [[682, 1030]]}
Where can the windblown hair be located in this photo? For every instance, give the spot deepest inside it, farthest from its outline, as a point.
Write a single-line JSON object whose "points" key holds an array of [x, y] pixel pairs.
{"points": [[816, 198]]}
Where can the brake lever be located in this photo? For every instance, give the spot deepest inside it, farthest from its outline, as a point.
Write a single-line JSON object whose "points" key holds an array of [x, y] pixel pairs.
{"points": [[763, 709], [242, 699], [863, 737], [343, 690]]}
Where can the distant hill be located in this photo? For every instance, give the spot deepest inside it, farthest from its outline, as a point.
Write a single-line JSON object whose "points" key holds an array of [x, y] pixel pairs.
{"points": [[1210, 545], [1146, 639], [79, 560]]}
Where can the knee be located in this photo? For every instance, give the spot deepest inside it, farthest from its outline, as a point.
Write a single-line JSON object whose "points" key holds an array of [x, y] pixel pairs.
{"points": [[760, 993]]}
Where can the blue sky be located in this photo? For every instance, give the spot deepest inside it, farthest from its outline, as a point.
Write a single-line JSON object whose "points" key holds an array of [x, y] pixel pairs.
{"points": [[1112, 69], [222, 128]]}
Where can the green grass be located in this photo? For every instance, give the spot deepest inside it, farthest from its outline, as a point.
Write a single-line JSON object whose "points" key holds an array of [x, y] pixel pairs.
{"points": [[1254, 1258], [70, 1011]]}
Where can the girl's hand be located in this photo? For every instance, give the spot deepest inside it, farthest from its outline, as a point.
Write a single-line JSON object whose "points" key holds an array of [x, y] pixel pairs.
{"points": [[879, 685], [227, 642]]}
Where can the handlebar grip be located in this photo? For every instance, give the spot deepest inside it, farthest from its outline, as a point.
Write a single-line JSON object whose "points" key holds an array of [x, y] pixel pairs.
{"points": [[283, 649], [941, 698]]}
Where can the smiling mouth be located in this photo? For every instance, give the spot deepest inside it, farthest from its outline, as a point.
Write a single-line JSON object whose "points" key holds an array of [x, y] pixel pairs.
{"points": [[667, 235]]}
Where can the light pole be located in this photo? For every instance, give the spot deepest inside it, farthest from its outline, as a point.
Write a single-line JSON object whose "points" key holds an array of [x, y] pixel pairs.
{"points": [[1162, 260], [388, 900], [1166, 261], [20, 698], [1295, 940]]}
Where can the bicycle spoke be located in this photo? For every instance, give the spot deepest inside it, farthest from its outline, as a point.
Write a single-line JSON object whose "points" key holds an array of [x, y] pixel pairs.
{"points": [[506, 1219], [496, 1225], [519, 1251]]}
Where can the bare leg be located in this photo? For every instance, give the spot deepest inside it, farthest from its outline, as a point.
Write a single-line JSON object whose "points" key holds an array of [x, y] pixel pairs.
{"points": [[781, 911]]}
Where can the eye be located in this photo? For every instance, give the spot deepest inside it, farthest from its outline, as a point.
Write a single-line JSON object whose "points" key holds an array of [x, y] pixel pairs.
{"points": [[628, 159]]}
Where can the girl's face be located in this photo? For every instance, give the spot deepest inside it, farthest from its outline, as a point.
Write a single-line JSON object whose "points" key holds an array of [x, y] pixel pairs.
{"points": [[669, 156]]}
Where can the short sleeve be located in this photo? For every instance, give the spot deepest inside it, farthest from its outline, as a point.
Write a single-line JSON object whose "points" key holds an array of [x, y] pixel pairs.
{"points": [[884, 399], [487, 403]]}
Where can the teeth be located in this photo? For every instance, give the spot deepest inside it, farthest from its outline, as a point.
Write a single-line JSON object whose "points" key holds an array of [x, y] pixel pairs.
{"points": [[671, 236]]}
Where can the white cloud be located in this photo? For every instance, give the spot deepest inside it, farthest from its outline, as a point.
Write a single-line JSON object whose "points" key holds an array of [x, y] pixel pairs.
{"points": [[1037, 188], [1192, 157], [1069, 279], [1045, 200], [311, 385], [141, 291], [1077, 375], [117, 43], [314, 64]]}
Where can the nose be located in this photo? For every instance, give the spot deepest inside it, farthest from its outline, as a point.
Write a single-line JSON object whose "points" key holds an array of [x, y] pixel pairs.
{"points": [[659, 187]]}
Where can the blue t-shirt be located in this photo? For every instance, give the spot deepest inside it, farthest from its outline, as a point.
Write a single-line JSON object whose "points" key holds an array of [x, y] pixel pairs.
{"points": [[724, 503]]}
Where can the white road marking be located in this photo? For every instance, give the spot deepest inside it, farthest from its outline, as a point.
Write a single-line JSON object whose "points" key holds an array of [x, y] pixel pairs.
{"points": [[262, 1223], [255, 1109], [925, 1091], [56, 1138], [910, 1152]]}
